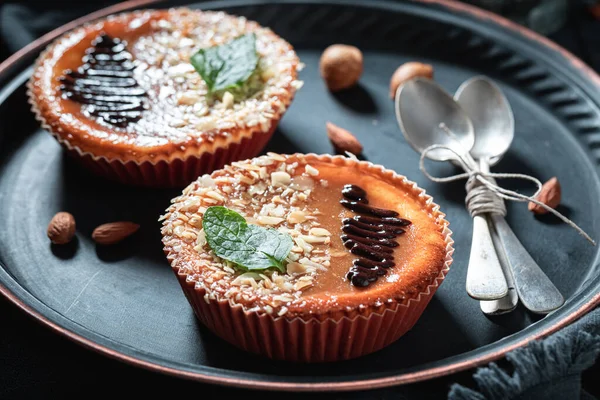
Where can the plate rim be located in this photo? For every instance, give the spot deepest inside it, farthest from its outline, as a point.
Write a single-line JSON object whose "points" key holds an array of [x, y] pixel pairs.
{"points": [[582, 307]]}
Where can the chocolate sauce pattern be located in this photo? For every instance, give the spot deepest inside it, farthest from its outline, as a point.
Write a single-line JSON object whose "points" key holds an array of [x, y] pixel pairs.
{"points": [[371, 236], [105, 83]]}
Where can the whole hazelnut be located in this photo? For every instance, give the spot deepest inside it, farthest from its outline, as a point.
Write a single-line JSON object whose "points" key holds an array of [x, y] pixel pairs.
{"points": [[409, 71], [341, 66]]}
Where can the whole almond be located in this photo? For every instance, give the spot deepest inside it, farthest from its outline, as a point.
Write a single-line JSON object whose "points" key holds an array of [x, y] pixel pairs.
{"points": [[114, 232], [61, 228], [549, 195], [341, 66], [343, 140], [409, 71]]}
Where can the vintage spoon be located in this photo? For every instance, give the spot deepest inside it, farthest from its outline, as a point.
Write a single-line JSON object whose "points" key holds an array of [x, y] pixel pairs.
{"points": [[493, 123], [421, 106], [509, 302], [497, 117]]}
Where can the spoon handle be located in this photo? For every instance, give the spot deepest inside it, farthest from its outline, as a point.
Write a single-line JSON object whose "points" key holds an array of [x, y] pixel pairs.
{"points": [[485, 280], [536, 291], [510, 301]]}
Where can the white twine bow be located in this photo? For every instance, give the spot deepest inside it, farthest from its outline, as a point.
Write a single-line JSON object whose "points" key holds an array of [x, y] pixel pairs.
{"points": [[483, 194]]}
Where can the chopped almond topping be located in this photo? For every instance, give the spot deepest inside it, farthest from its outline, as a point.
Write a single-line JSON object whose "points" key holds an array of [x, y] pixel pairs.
{"points": [[268, 191]]}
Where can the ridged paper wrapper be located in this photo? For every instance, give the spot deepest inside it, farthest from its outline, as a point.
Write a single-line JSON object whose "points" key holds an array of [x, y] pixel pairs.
{"points": [[321, 337]]}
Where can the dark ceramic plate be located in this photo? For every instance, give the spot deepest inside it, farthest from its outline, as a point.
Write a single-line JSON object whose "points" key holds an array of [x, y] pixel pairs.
{"points": [[125, 302]]}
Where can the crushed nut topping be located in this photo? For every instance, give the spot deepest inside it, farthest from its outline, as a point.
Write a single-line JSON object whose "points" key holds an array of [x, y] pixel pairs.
{"points": [[181, 105], [263, 191]]}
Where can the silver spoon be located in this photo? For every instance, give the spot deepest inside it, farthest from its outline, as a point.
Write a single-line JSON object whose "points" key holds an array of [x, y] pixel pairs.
{"points": [[493, 123], [491, 120], [421, 106], [509, 302]]}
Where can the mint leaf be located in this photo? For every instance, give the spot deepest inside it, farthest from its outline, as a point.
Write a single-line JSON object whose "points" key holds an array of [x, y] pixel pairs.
{"points": [[228, 66], [250, 247]]}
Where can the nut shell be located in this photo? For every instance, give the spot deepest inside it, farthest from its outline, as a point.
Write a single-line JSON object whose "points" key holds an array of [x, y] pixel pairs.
{"points": [[61, 228], [341, 66], [408, 71], [114, 232]]}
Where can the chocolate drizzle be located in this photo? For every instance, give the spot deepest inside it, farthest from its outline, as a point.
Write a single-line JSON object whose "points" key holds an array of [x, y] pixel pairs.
{"points": [[105, 83], [369, 236]]}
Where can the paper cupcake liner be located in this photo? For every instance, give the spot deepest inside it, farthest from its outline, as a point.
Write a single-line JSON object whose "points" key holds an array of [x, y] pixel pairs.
{"points": [[173, 173], [168, 170], [165, 173], [320, 338]]}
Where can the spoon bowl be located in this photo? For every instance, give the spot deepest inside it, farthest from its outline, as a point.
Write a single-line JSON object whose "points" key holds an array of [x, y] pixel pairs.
{"points": [[491, 115], [421, 106]]}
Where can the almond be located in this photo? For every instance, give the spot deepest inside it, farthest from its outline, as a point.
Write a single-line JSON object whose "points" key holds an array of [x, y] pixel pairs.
{"points": [[341, 66], [114, 232], [342, 140], [408, 71], [61, 228], [549, 195]]}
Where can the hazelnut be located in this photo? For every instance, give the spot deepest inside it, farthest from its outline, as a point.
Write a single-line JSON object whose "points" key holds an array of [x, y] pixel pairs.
{"points": [[341, 66], [409, 71]]}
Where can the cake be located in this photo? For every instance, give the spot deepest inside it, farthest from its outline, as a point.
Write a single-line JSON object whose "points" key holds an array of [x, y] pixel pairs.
{"points": [[306, 257], [159, 97]]}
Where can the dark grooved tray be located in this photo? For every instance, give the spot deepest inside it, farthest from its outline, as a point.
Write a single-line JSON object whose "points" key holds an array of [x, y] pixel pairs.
{"points": [[125, 302]]}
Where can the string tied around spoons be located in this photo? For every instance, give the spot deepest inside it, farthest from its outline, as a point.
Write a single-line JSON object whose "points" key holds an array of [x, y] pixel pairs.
{"points": [[484, 195]]}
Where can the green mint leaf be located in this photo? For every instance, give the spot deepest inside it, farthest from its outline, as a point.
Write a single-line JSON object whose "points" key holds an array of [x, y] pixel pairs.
{"points": [[228, 66], [250, 247]]}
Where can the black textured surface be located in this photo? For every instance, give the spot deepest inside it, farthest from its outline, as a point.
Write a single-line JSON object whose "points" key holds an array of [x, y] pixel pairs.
{"points": [[128, 296]]}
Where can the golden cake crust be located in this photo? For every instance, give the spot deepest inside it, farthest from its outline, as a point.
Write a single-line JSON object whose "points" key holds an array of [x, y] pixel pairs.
{"points": [[171, 128], [424, 255]]}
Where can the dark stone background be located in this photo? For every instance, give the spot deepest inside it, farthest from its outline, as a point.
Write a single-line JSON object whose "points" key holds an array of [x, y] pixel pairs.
{"points": [[37, 363]]}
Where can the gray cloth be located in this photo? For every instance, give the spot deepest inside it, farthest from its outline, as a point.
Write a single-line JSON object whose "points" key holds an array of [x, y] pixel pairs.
{"points": [[546, 369]]}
